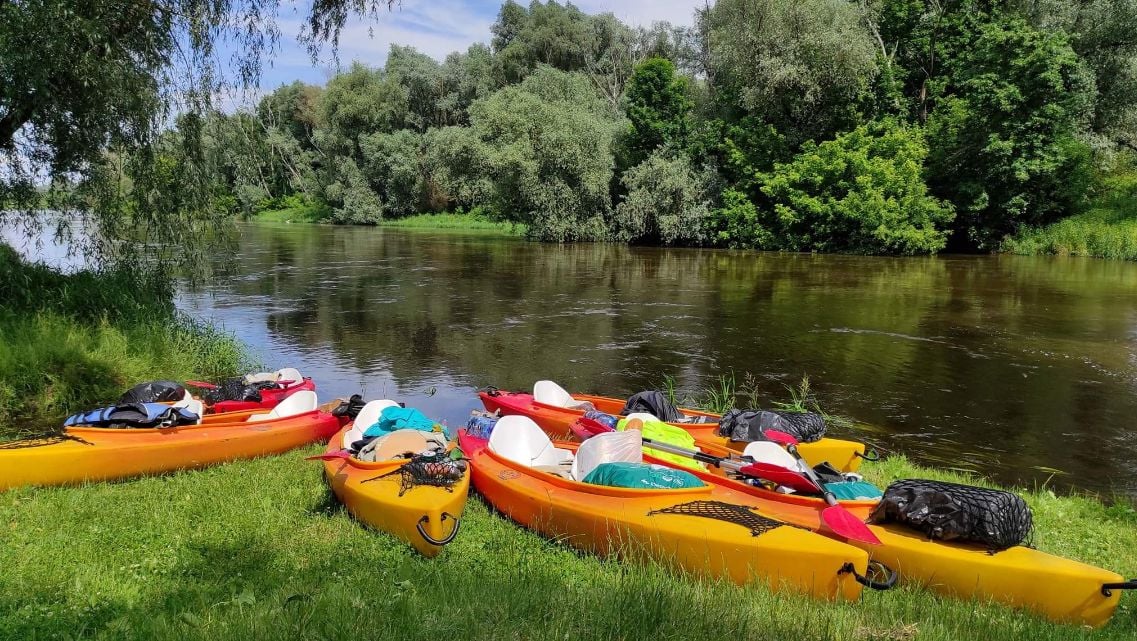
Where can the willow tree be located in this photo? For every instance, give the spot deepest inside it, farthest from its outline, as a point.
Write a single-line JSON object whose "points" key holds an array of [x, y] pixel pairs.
{"points": [[95, 94]]}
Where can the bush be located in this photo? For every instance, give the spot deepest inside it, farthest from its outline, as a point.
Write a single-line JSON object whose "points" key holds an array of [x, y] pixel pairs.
{"points": [[667, 201], [548, 144], [861, 193]]}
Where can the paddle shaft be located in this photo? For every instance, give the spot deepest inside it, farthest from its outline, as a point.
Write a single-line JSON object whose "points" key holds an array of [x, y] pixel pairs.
{"points": [[717, 461]]}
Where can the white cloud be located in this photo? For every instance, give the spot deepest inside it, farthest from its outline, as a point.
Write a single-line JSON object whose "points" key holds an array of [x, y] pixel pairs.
{"points": [[641, 13]]}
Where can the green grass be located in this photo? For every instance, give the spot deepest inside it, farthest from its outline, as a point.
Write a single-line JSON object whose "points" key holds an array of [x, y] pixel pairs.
{"points": [[261, 550], [458, 221], [1107, 230], [300, 212], [77, 341]]}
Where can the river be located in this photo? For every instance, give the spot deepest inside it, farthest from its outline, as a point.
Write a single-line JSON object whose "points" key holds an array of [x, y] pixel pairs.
{"points": [[1023, 369]]}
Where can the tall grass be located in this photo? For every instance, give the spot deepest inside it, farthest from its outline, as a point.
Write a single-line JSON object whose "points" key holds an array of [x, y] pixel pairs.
{"points": [[76, 341], [1107, 230]]}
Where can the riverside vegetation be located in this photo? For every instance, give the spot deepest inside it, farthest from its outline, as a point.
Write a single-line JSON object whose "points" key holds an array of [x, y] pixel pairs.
{"points": [[824, 125]]}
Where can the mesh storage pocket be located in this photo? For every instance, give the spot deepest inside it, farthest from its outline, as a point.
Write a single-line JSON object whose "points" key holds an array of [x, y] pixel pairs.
{"points": [[955, 512]]}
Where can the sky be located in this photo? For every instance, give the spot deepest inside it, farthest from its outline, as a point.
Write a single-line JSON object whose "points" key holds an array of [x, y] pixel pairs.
{"points": [[434, 27]]}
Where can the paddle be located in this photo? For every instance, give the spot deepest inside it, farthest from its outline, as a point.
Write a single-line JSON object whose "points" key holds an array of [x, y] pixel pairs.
{"points": [[773, 473], [839, 519], [201, 384]]}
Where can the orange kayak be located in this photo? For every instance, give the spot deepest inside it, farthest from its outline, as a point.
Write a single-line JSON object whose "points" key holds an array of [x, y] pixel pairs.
{"points": [[709, 531], [1060, 589], [83, 454], [424, 516], [844, 455]]}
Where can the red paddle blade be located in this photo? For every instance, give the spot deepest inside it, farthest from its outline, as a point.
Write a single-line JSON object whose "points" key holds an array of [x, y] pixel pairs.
{"points": [[780, 475], [845, 525], [330, 456], [201, 384], [780, 438]]}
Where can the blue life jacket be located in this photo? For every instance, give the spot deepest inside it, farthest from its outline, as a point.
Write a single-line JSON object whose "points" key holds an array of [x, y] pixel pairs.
{"points": [[140, 415]]}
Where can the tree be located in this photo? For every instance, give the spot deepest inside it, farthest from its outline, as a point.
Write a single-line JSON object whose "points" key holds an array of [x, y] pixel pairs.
{"points": [[667, 201], [1003, 139], [549, 143], [658, 106], [862, 192], [82, 81], [800, 65]]}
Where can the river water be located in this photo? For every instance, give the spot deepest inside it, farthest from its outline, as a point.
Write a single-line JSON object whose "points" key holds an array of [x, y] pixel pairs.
{"points": [[1023, 369]]}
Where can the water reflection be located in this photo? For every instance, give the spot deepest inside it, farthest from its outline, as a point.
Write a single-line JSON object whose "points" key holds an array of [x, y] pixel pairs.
{"points": [[1002, 364]]}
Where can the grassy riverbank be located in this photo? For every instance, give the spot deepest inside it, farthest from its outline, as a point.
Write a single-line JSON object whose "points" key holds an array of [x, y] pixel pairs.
{"points": [[297, 210], [76, 341], [261, 550], [1107, 230]]}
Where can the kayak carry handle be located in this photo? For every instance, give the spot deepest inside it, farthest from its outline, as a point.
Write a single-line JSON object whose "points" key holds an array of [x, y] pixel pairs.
{"points": [[870, 457], [444, 540], [1108, 588], [875, 568]]}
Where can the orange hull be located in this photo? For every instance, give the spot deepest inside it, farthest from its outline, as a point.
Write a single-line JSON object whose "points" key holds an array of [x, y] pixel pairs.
{"points": [[557, 421], [85, 454], [639, 524]]}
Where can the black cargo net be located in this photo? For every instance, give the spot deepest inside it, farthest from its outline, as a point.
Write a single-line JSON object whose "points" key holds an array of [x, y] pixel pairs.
{"points": [[719, 511], [954, 512], [433, 469]]}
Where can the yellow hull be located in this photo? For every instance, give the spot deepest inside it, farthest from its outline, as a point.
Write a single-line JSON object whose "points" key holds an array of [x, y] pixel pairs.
{"points": [[424, 516]]}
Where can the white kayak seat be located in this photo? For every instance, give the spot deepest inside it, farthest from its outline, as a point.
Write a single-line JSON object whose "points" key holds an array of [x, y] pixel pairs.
{"points": [[642, 416], [192, 404], [608, 447], [298, 403], [520, 440], [368, 415], [290, 374], [186, 398], [549, 393], [772, 453]]}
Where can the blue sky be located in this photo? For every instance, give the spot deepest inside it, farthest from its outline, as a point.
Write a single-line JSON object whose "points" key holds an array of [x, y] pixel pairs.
{"points": [[434, 27]]}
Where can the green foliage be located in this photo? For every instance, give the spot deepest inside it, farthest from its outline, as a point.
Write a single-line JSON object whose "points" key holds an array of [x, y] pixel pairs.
{"points": [[393, 166], [800, 65], [736, 224], [1107, 230], [1002, 141], [861, 193], [658, 106], [667, 201], [549, 145]]}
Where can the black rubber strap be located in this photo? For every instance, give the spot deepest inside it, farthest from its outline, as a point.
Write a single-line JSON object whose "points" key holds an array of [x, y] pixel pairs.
{"points": [[870, 457], [875, 568], [1108, 588], [444, 540]]}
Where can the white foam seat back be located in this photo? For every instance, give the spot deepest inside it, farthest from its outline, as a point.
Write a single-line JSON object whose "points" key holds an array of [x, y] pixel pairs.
{"points": [[186, 397], [772, 453], [368, 415], [550, 393], [260, 377], [298, 403], [289, 374], [609, 447], [643, 416], [192, 404], [520, 440]]}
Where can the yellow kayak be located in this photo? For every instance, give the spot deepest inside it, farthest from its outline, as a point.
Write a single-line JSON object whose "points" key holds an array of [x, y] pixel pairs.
{"points": [[384, 495]]}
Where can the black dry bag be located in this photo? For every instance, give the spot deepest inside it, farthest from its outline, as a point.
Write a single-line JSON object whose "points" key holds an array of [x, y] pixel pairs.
{"points": [[153, 392], [653, 402], [751, 425]]}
